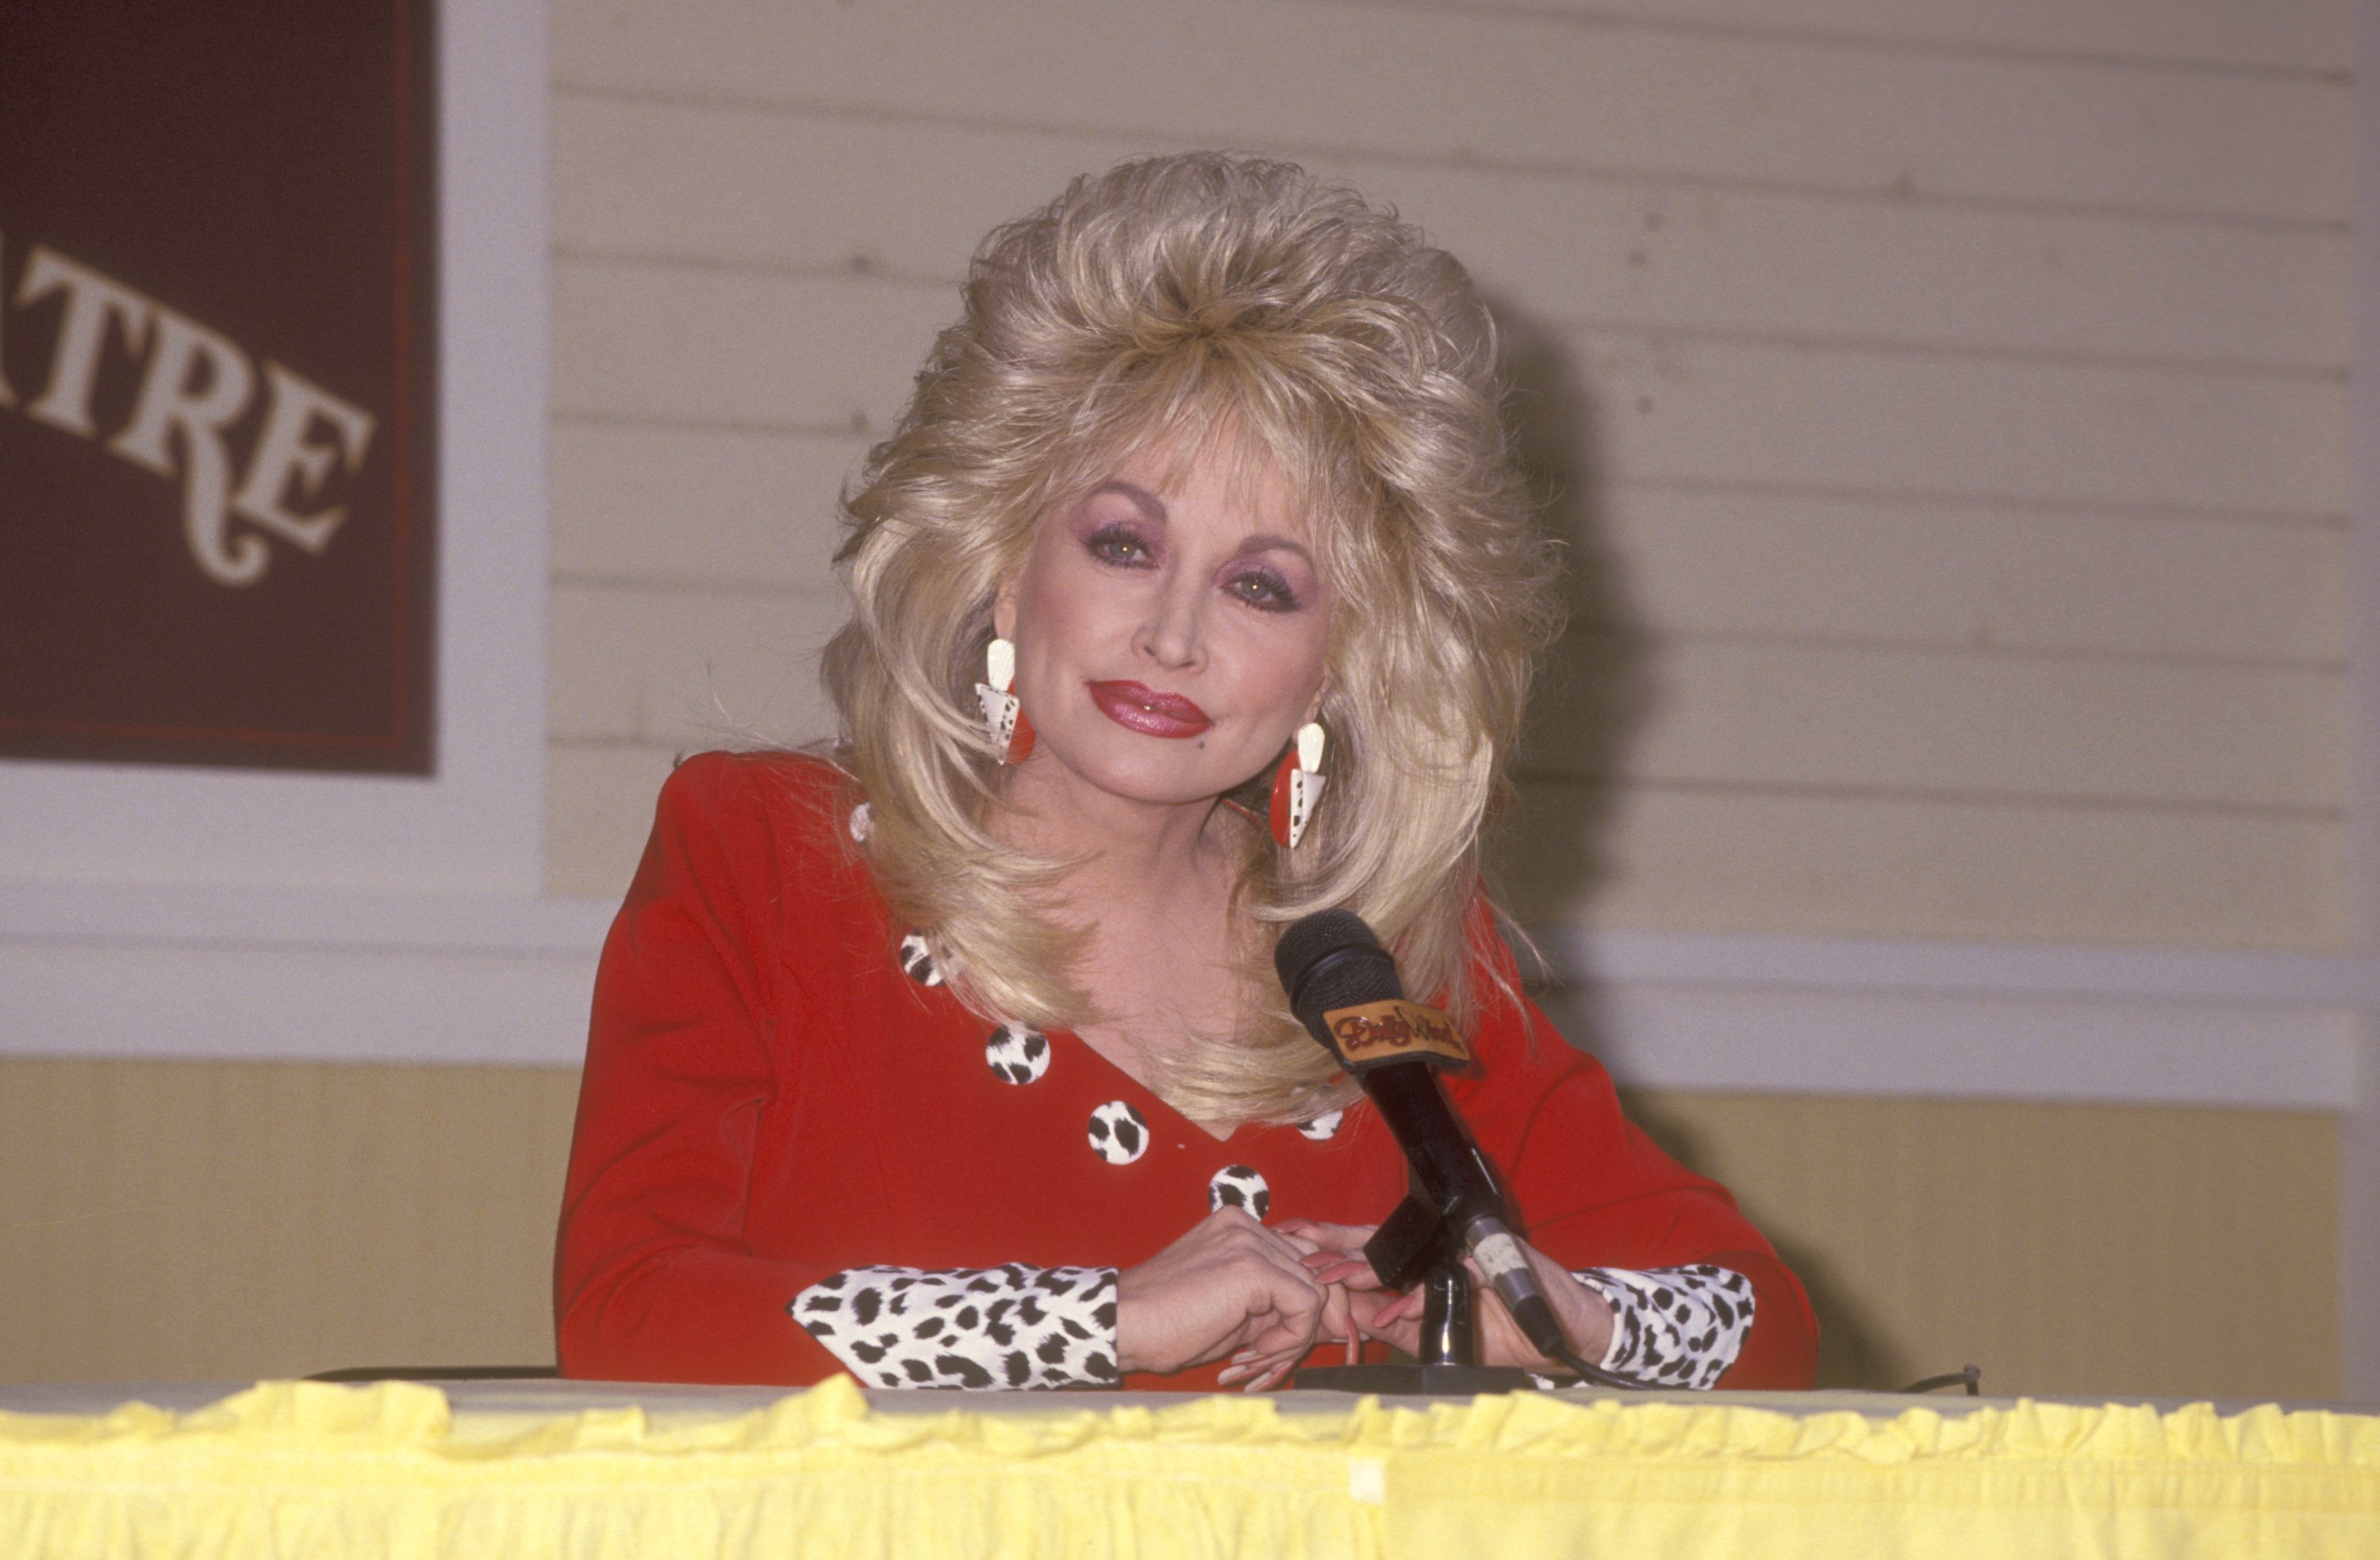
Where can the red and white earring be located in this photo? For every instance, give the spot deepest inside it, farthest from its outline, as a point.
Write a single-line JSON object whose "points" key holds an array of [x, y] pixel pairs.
{"points": [[1002, 716], [1298, 785]]}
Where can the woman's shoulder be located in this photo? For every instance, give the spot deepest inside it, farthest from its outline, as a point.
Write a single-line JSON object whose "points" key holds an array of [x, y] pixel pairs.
{"points": [[1510, 1037], [771, 834], [768, 821], [799, 798]]}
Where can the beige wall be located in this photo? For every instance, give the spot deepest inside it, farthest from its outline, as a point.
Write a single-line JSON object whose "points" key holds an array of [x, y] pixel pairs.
{"points": [[2068, 1249], [220, 1221], [226, 1222]]}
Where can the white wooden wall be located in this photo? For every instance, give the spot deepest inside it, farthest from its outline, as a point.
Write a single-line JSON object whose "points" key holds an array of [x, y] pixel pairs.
{"points": [[1959, 396]]}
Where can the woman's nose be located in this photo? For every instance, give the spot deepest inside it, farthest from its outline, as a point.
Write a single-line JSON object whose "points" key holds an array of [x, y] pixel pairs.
{"points": [[1174, 634]]}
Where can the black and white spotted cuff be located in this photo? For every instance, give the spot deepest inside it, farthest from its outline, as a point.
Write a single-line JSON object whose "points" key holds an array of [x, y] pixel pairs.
{"points": [[1012, 1327], [1673, 1326]]}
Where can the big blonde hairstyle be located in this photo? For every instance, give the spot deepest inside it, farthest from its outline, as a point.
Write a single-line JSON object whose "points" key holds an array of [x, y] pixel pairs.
{"points": [[1206, 301]]}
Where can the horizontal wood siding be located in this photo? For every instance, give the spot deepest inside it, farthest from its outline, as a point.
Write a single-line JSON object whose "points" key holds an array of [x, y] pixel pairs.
{"points": [[1947, 402]]}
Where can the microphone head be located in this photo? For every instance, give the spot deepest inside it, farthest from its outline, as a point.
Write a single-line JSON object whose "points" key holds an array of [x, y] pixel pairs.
{"points": [[1331, 960]]}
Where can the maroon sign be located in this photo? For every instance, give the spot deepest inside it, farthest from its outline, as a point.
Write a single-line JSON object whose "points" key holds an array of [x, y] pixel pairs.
{"points": [[216, 344]]}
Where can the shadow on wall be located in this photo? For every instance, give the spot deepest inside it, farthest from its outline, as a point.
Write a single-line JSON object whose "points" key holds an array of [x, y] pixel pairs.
{"points": [[1594, 693], [1851, 1351], [1594, 687]]}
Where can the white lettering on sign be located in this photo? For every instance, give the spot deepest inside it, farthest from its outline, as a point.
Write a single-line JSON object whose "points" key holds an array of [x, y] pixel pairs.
{"points": [[197, 384], [285, 451], [92, 301]]}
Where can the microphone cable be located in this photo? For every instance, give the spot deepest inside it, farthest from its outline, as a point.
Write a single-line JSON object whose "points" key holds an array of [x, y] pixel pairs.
{"points": [[1534, 1315]]}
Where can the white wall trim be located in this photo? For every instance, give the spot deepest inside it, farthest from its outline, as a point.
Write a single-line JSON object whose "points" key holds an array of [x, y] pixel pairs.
{"points": [[299, 921], [96, 970], [283, 974], [1992, 968], [477, 825], [2007, 1020]]}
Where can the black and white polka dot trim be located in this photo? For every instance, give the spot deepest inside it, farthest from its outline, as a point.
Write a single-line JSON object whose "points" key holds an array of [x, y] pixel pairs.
{"points": [[1012, 1327], [1673, 1326]]}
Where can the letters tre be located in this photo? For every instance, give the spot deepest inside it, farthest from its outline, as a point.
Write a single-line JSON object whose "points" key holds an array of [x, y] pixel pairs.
{"points": [[197, 384]]}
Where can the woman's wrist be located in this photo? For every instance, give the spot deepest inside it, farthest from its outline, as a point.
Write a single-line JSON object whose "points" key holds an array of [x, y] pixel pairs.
{"points": [[1130, 1333], [1586, 1319]]}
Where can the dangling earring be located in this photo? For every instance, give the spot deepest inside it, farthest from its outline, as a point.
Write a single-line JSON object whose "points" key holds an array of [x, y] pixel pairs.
{"points": [[1002, 716], [1297, 785]]}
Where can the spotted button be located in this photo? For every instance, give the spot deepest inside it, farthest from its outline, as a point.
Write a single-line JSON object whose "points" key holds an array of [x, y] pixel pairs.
{"points": [[1119, 1135], [1323, 1126], [916, 963], [1237, 1186], [1017, 1053]]}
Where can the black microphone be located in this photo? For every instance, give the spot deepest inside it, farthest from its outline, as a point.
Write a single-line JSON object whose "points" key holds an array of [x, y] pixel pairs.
{"points": [[1344, 988]]}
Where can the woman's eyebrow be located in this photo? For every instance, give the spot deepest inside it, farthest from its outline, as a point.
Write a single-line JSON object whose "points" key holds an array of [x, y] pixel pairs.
{"points": [[1148, 503], [1265, 541]]}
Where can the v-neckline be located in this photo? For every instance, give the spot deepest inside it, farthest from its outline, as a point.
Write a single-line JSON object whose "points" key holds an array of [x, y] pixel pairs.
{"points": [[1151, 1096]]}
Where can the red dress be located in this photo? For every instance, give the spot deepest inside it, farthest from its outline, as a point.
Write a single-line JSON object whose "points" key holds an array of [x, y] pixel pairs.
{"points": [[769, 1098]]}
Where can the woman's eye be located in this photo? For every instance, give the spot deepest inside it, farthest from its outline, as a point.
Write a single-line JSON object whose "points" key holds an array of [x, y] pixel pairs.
{"points": [[1269, 591], [1113, 544]]}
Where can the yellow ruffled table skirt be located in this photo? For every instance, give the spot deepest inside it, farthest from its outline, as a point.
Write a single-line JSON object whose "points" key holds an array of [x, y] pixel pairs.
{"points": [[300, 1469]]}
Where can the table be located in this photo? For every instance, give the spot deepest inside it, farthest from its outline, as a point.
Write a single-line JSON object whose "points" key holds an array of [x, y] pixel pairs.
{"points": [[596, 1469]]}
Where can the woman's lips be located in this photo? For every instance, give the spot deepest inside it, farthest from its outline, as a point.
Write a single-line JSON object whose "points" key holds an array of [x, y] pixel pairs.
{"points": [[1139, 708]]}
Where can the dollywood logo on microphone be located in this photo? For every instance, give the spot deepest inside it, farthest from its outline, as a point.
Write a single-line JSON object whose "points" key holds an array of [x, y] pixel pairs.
{"points": [[1371, 1034]]}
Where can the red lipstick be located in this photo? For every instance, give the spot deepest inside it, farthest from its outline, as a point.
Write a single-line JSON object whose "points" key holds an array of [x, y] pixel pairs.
{"points": [[1139, 708]]}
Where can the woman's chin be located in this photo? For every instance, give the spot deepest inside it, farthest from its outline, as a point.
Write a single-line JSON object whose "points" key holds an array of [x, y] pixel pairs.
{"points": [[1143, 780]]}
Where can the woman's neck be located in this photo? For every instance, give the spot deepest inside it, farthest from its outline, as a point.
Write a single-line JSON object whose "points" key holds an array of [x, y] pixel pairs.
{"points": [[1152, 891], [1126, 849]]}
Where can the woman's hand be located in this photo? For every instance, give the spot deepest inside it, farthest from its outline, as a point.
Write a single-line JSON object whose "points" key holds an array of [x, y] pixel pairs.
{"points": [[1229, 1286], [1337, 1258]]}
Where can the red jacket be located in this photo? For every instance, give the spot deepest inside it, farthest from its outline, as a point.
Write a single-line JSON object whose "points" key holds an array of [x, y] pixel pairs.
{"points": [[768, 1098]]}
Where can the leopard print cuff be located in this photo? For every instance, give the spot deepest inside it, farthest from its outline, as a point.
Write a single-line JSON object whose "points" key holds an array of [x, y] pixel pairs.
{"points": [[1012, 1327], [1673, 1326]]}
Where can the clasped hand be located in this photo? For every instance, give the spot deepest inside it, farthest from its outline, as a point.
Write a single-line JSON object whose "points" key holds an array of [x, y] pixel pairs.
{"points": [[1266, 1295]]}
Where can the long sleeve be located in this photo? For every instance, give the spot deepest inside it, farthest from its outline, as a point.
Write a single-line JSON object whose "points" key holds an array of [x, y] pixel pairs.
{"points": [[653, 1279], [1596, 1193], [1012, 1325]]}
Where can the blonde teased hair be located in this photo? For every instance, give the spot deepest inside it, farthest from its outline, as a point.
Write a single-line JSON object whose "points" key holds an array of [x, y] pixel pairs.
{"points": [[1197, 299]]}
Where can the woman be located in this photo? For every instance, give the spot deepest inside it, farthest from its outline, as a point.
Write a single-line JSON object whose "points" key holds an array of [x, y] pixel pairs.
{"points": [[1193, 592]]}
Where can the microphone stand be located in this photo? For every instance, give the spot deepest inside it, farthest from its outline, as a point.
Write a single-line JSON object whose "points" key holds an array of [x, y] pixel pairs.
{"points": [[1418, 1242], [1343, 986]]}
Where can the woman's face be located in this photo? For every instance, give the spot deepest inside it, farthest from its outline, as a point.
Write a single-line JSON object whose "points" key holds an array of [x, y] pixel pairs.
{"points": [[1170, 634]]}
